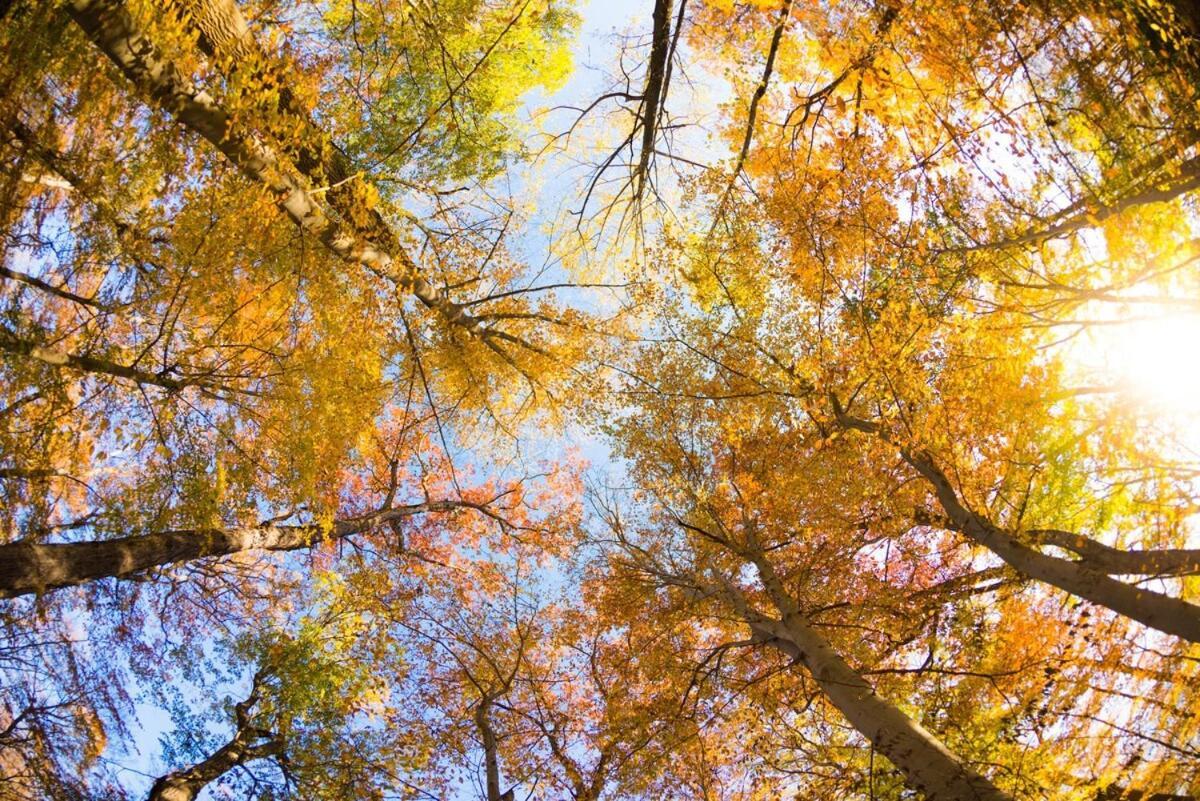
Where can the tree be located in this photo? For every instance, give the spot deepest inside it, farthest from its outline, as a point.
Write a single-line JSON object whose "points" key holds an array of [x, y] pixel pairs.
{"points": [[316, 717], [294, 351], [206, 356]]}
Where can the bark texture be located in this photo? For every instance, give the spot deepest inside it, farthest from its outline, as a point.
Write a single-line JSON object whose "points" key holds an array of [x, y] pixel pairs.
{"points": [[27, 567], [927, 765], [186, 785]]}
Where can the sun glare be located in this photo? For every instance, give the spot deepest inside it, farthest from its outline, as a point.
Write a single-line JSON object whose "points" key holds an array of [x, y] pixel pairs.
{"points": [[1153, 359], [1158, 359]]}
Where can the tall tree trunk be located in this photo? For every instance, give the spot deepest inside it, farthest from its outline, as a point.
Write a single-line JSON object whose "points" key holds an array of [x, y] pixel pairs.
{"points": [[187, 784], [27, 567], [109, 25], [225, 36], [248, 743], [927, 765], [1106, 559], [10, 343], [654, 91], [1154, 609], [487, 736]]}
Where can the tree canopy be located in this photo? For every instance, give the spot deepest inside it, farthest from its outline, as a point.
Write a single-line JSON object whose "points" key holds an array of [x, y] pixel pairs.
{"points": [[523, 399]]}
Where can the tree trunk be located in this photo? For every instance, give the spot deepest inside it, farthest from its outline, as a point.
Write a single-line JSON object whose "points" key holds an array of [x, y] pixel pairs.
{"points": [[1153, 609], [187, 784], [95, 365], [652, 95], [225, 36], [224, 31], [487, 737], [248, 743], [1106, 559], [109, 25], [928, 766], [27, 567], [1187, 181]]}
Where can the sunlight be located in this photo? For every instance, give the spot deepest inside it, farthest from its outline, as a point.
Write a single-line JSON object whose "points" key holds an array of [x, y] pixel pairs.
{"points": [[1152, 359], [1157, 361]]}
